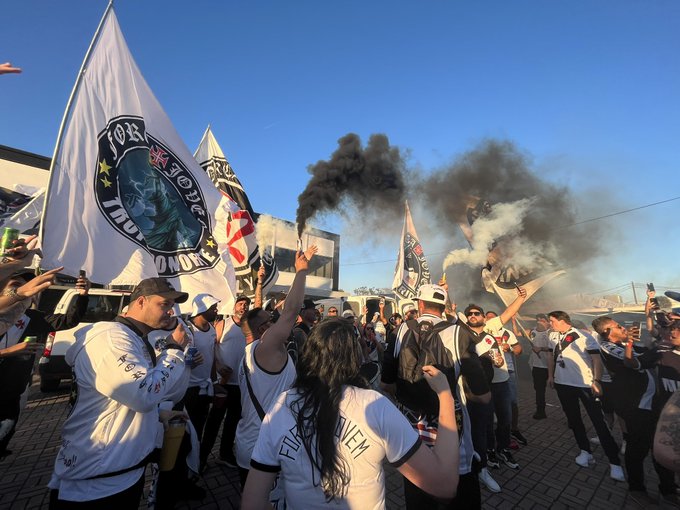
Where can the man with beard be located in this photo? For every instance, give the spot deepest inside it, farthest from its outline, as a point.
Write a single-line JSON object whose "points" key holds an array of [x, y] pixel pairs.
{"points": [[228, 353], [115, 424]]}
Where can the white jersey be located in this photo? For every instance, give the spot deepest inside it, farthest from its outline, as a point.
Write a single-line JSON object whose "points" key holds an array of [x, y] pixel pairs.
{"points": [[572, 352], [370, 428], [114, 423], [540, 340], [204, 341], [267, 386], [230, 349]]}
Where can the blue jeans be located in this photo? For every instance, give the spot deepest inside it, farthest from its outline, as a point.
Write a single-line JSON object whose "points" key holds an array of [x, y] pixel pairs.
{"points": [[501, 399]]}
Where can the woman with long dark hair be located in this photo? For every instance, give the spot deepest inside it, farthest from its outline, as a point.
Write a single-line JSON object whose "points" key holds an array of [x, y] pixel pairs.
{"points": [[328, 435]]}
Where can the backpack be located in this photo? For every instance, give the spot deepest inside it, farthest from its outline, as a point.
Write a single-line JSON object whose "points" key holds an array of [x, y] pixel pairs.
{"points": [[422, 345]]}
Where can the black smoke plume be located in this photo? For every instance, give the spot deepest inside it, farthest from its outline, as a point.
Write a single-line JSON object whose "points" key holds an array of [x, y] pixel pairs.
{"points": [[370, 179]]}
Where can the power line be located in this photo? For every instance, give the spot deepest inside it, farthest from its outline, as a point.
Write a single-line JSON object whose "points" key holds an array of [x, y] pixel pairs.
{"points": [[557, 228]]}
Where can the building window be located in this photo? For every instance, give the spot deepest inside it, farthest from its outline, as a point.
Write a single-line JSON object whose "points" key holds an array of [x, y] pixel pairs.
{"points": [[318, 266]]}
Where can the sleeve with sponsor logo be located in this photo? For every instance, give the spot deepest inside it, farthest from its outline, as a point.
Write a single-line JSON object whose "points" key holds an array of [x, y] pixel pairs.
{"points": [[485, 344], [124, 372]]}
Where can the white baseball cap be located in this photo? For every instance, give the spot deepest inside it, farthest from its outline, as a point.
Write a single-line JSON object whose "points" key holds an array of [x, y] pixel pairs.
{"points": [[348, 314], [432, 293], [202, 303]]}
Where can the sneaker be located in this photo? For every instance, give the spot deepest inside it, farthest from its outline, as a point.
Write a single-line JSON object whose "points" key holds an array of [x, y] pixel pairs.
{"points": [[584, 459], [229, 461], [492, 460], [517, 435], [623, 447], [595, 440], [487, 480], [508, 459], [616, 473]]}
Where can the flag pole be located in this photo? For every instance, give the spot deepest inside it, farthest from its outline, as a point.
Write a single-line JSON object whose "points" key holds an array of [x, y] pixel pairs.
{"points": [[60, 134]]}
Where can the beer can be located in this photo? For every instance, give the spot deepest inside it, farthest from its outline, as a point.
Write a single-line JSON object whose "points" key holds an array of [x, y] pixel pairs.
{"points": [[8, 236], [31, 339]]}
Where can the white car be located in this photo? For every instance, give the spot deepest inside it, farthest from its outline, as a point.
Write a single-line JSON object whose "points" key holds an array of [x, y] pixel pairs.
{"points": [[102, 305]]}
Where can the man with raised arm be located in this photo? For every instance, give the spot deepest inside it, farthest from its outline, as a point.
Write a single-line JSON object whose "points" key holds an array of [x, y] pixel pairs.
{"points": [[266, 369]]}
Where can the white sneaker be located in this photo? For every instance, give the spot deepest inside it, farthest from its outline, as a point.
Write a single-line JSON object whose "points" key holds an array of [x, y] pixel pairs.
{"points": [[584, 459], [616, 473], [486, 478], [623, 448], [595, 441]]}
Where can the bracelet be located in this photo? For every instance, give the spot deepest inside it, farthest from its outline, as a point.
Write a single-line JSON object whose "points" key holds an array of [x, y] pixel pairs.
{"points": [[12, 294]]}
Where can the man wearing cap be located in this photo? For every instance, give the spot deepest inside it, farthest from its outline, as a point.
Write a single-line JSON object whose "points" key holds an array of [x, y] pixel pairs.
{"points": [[456, 339], [199, 394], [228, 353], [306, 320], [114, 425], [16, 370]]}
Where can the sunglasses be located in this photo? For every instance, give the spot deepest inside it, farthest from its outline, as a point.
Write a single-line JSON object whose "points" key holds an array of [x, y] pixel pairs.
{"points": [[471, 314]]}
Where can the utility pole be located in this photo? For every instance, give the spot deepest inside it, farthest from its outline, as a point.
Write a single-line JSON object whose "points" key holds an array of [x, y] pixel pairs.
{"points": [[632, 284]]}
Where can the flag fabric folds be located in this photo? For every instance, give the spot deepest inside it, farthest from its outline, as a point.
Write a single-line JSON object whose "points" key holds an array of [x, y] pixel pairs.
{"points": [[237, 232], [126, 200], [412, 269], [498, 275]]}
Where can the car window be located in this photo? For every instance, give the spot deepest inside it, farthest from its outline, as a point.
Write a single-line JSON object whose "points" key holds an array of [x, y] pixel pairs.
{"points": [[102, 308]]}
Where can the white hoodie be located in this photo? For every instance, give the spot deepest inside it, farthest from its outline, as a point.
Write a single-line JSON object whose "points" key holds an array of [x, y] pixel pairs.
{"points": [[114, 423]]}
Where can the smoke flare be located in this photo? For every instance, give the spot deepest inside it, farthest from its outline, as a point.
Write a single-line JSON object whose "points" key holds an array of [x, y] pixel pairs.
{"points": [[370, 179]]}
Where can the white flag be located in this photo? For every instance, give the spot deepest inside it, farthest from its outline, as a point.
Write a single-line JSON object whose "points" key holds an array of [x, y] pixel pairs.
{"points": [[237, 233], [26, 219], [412, 269], [126, 200]]}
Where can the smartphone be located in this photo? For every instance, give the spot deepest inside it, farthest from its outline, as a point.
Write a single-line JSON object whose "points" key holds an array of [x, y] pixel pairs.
{"points": [[650, 287], [81, 273]]}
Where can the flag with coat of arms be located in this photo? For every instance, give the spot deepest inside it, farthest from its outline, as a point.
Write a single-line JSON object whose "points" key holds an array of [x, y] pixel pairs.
{"points": [[412, 269], [126, 200], [238, 230]]}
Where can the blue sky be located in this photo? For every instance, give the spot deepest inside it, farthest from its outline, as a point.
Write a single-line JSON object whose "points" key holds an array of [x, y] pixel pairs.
{"points": [[591, 90]]}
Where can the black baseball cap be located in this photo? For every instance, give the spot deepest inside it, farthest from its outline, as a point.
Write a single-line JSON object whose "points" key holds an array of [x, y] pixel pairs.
{"points": [[158, 287], [471, 307], [241, 297], [308, 304]]}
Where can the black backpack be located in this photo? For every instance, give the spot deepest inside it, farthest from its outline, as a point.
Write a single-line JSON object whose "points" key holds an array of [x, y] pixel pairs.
{"points": [[422, 345]]}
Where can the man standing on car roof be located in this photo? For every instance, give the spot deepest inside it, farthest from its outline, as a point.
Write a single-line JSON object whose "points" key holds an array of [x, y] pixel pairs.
{"points": [[114, 426], [16, 371]]}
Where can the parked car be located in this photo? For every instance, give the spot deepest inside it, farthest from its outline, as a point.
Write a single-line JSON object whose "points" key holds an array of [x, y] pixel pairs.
{"points": [[102, 305]]}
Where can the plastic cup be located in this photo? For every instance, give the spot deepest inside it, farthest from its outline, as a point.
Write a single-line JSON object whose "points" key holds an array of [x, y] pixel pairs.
{"points": [[171, 443]]}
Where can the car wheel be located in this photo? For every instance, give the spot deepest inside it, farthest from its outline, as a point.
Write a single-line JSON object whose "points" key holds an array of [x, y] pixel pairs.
{"points": [[49, 384]]}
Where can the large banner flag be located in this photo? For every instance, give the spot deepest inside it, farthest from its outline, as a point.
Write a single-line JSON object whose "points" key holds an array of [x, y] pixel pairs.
{"points": [[412, 269], [126, 200], [499, 275], [238, 231]]}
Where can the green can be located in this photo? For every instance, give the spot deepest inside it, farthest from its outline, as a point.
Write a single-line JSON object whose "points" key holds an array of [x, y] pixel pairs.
{"points": [[31, 339], [8, 236]]}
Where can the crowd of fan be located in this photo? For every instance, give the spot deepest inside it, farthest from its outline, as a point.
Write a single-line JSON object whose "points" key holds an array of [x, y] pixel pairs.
{"points": [[311, 401]]}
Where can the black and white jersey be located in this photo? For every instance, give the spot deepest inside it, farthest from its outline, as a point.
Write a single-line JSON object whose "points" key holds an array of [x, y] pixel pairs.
{"points": [[668, 372]]}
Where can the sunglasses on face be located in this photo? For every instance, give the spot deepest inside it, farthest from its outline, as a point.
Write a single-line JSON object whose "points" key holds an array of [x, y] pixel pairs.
{"points": [[471, 314]]}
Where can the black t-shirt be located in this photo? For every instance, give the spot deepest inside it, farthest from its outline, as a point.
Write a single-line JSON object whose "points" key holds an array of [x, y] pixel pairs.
{"points": [[632, 388], [668, 372]]}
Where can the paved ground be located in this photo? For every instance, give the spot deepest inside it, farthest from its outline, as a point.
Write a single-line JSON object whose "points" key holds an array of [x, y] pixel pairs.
{"points": [[548, 477]]}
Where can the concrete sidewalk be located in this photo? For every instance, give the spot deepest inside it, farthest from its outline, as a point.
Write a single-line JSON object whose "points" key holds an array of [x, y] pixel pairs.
{"points": [[547, 478]]}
